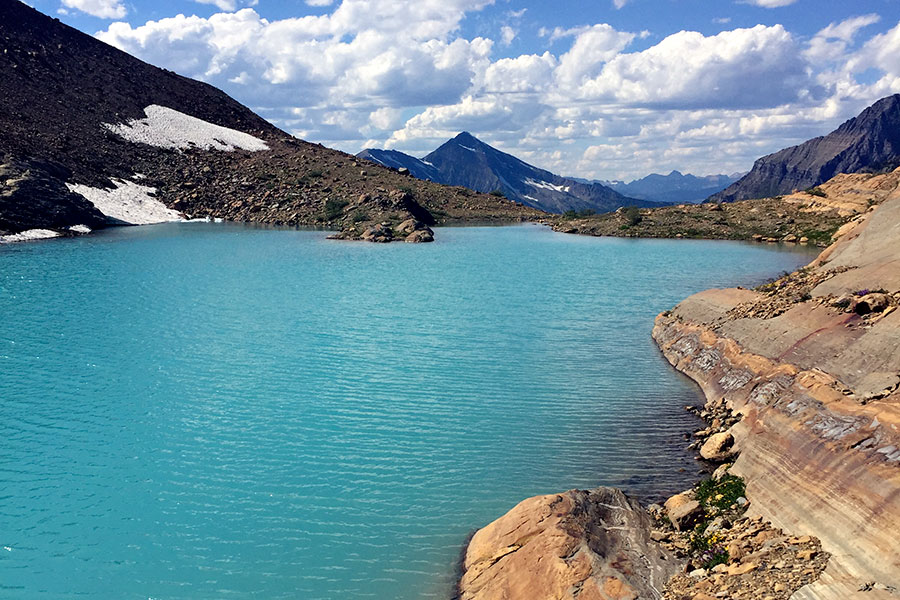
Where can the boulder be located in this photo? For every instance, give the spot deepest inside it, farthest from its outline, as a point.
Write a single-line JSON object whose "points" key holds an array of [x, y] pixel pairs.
{"points": [[408, 226], [378, 233], [420, 236], [718, 447], [871, 303], [596, 542], [683, 511]]}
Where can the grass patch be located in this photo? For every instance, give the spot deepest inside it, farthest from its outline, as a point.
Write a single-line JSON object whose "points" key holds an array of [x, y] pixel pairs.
{"points": [[821, 235], [720, 494], [578, 214]]}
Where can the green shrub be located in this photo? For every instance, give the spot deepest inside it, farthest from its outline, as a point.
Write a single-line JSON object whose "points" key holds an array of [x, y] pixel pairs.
{"points": [[816, 191], [360, 215], [578, 214], [632, 215], [333, 209], [498, 193]]}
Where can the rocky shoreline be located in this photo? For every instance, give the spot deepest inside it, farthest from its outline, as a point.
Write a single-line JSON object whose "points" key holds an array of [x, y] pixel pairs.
{"points": [[802, 381]]}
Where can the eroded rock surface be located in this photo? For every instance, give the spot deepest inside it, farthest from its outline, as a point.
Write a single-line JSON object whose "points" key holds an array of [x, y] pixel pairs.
{"points": [[591, 545], [816, 383]]}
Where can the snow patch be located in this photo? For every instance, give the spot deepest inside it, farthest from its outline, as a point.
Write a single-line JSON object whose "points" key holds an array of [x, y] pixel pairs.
{"points": [[128, 202], [532, 198], [548, 186], [168, 128], [28, 236], [80, 229], [467, 148]]}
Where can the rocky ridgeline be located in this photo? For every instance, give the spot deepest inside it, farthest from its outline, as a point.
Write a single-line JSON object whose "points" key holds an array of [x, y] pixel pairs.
{"points": [[300, 184], [812, 217], [869, 141]]}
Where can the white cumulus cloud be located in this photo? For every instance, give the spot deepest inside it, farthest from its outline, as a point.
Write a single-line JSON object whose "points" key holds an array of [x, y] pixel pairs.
{"points": [[105, 9], [771, 3], [401, 74]]}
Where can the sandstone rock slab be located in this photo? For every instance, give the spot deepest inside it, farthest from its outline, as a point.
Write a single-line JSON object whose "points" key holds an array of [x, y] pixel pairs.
{"points": [[593, 545]]}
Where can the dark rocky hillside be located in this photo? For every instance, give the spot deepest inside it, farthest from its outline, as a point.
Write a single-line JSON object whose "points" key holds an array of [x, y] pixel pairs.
{"points": [[868, 142], [58, 87], [467, 161]]}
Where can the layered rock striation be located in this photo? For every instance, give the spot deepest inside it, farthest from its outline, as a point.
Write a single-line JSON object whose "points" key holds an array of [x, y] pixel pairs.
{"points": [[812, 364]]}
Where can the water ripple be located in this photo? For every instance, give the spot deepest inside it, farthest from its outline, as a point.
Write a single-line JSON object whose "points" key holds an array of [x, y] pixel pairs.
{"points": [[228, 412]]}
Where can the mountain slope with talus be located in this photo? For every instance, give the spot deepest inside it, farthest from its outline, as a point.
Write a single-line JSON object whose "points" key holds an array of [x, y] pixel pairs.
{"points": [[85, 127], [868, 142]]}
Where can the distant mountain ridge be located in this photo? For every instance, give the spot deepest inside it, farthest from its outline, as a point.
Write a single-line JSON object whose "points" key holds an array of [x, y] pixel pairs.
{"points": [[676, 187], [467, 161], [399, 160], [870, 141]]}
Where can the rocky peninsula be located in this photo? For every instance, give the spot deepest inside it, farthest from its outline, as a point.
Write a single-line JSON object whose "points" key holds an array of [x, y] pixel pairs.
{"points": [[802, 381]]}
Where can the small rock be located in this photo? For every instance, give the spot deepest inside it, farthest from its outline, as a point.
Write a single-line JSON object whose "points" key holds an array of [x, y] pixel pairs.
{"points": [[698, 573], [807, 554], [659, 536], [721, 472], [741, 569], [682, 511]]}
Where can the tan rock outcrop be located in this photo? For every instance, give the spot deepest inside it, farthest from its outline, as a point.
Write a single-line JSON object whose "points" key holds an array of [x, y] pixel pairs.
{"points": [[816, 386], [589, 545]]}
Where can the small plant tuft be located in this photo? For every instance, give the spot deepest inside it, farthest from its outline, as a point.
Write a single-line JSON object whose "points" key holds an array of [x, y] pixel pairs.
{"points": [[333, 209], [720, 494], [816, 191]]}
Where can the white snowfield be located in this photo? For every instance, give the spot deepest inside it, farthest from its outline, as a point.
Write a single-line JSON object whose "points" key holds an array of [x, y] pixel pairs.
{"points": [[168, 128], [547, 185], [29, 235], [128, 202]]}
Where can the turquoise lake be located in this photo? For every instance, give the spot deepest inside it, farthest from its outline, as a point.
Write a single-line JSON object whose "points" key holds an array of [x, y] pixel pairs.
{"points": [[193, 411]]}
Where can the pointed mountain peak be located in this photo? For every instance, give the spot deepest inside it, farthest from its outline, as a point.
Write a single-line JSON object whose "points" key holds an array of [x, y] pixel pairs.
{"points": [[468, 139]]}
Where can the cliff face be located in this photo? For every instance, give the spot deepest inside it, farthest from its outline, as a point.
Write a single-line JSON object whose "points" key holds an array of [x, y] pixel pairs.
{"points": [[868, 141], [812, 363]]}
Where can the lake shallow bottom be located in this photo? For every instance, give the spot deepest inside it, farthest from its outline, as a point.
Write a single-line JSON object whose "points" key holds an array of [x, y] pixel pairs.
{"points": [[221, 411]]}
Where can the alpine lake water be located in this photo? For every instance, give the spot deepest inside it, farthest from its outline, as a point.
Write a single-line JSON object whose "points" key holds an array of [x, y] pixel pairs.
{"points": [[192, 411]]}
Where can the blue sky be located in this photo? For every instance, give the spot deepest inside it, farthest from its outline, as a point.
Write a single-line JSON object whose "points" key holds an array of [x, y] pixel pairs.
{"points": [[605, 89]]}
